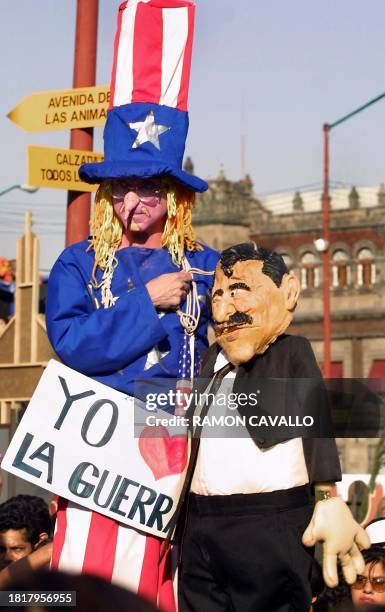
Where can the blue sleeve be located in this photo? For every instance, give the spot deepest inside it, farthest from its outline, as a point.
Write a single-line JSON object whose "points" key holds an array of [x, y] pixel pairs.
{"points": [[98, 341]]}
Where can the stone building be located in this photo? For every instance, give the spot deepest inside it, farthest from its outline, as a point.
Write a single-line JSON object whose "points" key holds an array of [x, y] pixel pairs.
{"points": [[290, 223], [224, 213], [357, 252]]}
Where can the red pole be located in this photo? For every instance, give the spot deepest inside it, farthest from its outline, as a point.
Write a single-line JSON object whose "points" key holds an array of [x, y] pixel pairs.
{"points": [[326, 258], [78, 203]]}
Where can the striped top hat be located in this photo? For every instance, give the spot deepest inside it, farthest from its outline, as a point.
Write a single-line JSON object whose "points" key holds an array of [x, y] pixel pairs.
{"points": [[147, 122]]}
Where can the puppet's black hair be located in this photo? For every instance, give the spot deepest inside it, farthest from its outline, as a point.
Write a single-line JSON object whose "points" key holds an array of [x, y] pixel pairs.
{"points": [[273, 263]]}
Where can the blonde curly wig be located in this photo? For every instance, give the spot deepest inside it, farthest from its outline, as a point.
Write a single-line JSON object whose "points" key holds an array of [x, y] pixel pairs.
{"points": [[107, 231]]}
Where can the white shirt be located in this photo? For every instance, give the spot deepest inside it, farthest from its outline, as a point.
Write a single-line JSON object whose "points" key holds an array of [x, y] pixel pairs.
{"points": [[236, 465]]}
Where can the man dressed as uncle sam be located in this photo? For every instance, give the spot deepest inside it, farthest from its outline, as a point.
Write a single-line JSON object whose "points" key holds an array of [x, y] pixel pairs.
{"points": [[251, 521], [129, 303]]}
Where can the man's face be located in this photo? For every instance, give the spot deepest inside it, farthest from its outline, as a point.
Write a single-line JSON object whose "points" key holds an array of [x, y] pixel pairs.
{"points": [[140, 205], [13, 546], [249, 311]]}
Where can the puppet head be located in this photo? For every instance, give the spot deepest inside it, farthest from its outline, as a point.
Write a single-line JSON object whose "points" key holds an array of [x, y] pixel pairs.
{"points": [[253, 300], [178, 234]]}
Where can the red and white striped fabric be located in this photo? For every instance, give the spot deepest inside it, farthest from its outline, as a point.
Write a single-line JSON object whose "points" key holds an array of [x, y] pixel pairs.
{"points": [[152, 61], [152, 53], [89, 543]]}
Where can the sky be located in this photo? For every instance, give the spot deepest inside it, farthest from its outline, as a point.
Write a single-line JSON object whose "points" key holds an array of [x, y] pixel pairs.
{"points": [[273, 70]]}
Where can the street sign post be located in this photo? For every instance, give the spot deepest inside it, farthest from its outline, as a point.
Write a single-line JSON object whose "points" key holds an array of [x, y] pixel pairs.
{"points": [[58, 168], [65, 109]]}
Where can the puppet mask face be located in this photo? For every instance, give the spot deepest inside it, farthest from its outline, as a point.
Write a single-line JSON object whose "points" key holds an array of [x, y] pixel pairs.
{"points": [[249, 310], [140, 205]]}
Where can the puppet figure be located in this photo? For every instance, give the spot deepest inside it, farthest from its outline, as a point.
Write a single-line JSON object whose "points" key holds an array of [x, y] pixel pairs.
{"points": [[251, 519], [128, 303]]}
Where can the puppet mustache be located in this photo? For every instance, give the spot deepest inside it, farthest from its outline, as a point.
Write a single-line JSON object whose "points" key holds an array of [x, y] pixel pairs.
{"points": [[234, 320]]}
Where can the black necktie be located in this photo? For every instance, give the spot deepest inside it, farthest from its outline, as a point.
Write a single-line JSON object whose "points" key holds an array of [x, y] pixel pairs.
{"points": [[217, 381]]}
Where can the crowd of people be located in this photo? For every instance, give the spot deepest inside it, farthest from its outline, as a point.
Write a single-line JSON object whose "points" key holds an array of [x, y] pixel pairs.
{"points": [[26, 530]]}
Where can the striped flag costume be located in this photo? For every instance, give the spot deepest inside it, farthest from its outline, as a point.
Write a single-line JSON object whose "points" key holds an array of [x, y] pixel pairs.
{"points": [[90, 543], [144, 136], [153, 49], [147, 122]]}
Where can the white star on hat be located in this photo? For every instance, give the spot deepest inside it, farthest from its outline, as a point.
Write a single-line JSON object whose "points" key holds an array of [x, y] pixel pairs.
{"points": [[148, 131]]}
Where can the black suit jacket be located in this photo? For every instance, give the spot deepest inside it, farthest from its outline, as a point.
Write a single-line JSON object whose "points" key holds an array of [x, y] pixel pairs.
{"points": [[288, 357]]}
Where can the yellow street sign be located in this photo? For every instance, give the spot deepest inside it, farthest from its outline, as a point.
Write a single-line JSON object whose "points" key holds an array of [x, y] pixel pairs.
{"points": [[58, 168], [65, 109]]}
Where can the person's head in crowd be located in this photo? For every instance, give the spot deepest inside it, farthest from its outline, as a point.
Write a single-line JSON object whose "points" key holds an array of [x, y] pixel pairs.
{"points": [[369, 588], [376, 531], [92, 593], [38, 508], [33, 502], [25, 524]]}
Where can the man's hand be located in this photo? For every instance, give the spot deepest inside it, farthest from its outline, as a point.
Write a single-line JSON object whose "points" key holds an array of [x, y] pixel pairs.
{"points": [[167, 291], [333, 524]]}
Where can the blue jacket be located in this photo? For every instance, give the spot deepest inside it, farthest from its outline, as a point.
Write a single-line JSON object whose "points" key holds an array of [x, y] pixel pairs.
{"points": [[112, 345]]}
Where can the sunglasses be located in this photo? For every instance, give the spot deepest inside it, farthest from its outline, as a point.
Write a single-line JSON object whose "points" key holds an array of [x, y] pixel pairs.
{"points": [[377, 582], [146, 192]]}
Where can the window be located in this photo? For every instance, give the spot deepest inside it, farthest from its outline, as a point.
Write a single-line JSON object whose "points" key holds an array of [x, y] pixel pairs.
{"points": [[341, 271], [366, 268], [377, 369], [309, 271], [336, 369]]}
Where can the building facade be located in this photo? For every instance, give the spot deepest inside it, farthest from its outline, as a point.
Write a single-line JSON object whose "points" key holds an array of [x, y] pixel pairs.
{"points": [[291, 223]]}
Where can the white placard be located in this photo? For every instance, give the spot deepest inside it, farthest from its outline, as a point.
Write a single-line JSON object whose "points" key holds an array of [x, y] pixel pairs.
{"points": [[77, 440]]}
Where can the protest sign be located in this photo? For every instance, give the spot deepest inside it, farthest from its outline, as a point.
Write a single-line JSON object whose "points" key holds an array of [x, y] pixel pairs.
{"points": [[77, 440]]}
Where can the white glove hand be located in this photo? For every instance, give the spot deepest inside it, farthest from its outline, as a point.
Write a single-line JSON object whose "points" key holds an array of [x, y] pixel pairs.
{"points": [[333, 524]]}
